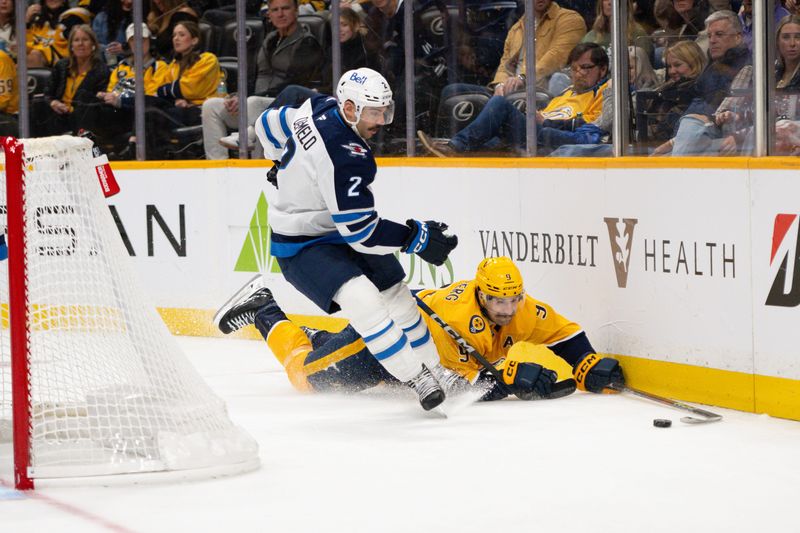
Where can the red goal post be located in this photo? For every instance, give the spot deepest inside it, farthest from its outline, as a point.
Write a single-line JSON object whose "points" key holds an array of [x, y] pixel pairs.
{"points": [[90, 376]]}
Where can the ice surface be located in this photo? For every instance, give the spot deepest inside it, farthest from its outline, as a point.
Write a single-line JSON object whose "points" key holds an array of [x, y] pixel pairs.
{"points": [[375, 463]]}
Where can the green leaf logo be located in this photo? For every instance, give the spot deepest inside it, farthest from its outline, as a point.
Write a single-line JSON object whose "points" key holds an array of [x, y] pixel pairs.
{"points": [[255, 255]]}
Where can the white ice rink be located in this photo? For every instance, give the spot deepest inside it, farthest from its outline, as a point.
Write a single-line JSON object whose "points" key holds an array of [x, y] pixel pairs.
{"points": [[375, 463]]}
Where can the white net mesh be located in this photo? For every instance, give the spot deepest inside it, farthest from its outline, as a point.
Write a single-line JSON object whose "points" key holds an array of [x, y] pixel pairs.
{"points": [[111, 391]]}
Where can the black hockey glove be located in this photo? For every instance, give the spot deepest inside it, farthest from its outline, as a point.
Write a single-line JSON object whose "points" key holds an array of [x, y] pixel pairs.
{"points": [[529, 381], [272, 174], [429, 241], [595, 373]]}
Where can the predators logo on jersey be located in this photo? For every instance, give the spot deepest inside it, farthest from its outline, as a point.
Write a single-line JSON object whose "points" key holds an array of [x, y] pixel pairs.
{"points": [[476, 324]]}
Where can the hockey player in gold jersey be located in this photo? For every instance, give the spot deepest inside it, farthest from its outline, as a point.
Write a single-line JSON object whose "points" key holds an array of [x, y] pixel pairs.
{"points": [[491, 312]]}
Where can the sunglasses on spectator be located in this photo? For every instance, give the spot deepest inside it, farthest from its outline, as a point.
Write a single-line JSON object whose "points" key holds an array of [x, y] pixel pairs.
{"points": [[585, 68]]}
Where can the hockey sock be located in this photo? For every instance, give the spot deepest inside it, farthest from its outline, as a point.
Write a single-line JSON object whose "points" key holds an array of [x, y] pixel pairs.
{"points": [[268, 317], [290, 346]]}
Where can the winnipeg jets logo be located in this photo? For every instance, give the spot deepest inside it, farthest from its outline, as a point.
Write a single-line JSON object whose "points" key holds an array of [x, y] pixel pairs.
{"points": [[355, 149]]}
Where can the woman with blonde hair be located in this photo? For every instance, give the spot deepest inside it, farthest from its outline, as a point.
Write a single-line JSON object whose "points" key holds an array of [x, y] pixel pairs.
{"points": [[685, 62], [71, 92]]}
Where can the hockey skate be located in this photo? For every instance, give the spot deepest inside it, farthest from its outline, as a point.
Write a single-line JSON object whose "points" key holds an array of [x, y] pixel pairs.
{"points": [[241, 309], [429, 391], [451, 382]]}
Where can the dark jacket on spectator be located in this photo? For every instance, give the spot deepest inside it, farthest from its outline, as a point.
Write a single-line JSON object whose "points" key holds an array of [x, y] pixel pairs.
{"points": [[671, 100], [385, 39], [96, 80], [296, 59], [714, 82], [354, 55]]}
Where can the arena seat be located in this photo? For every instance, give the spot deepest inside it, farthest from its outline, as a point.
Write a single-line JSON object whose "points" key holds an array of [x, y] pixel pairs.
{"points": [[254, 29], [457, 111]]}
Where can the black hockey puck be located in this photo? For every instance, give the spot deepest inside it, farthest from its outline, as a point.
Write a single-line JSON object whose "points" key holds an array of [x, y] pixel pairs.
{"points": [[662, 422]]}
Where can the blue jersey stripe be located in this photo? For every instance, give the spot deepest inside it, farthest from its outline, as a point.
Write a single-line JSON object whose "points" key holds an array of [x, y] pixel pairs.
{"points": [[419, 319], [419, 342], [271, 138], [284, 124], [381, 332], [361, 235], [351, 217], [391, 350], [290, 249]]}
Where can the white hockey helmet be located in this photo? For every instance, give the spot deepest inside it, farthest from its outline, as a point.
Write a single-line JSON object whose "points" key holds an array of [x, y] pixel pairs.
{"points": [[365, 88]]}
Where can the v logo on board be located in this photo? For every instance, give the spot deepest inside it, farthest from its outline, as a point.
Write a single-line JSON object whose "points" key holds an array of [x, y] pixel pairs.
{"points": [[255, 255], [621, 239], [784, 262]]}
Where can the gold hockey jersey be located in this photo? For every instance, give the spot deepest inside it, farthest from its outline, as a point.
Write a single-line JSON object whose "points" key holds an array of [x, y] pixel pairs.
{"points": [[198, 82], [9, 92], [569, 104], [154, 73], [457, 304]]}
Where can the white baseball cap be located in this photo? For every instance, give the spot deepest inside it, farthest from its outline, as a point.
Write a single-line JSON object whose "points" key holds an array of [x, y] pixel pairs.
{"points": [[131, 28]]}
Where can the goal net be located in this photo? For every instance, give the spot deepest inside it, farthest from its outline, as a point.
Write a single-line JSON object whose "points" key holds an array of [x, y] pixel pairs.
{"points": [[97, 385]]}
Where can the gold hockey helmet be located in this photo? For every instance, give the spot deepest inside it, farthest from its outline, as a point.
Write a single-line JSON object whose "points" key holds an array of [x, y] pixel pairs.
{"points": [[499, 277]]}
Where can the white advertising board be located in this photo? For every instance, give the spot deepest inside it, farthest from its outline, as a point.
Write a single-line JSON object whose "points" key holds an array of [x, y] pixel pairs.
{"points": [[776, 272], [656, 266]]}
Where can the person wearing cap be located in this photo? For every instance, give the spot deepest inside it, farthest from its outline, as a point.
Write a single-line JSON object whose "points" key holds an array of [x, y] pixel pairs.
{"points": [[114, 122], [121, 84], [492, 312]]}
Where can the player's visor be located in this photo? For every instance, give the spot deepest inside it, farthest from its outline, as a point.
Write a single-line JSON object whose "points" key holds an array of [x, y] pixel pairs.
{"points": [[374, 114]]}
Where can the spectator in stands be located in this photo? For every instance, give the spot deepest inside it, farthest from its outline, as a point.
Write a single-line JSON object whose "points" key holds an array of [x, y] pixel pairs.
{"points": [[290, 54], [162, 18], [354, 53], [643, 13], [385, 39], [746, 18], [558, 30], [735, 112], [45, 39], [579, 104], [8, 32], [793, 6], [601, 31], [693, 13], [670, 23], [685, 62], [109, 26], [585, 8], [640, 72], [190, 79], [9, 95], [75, 82], [114, 121], [698, 128]]}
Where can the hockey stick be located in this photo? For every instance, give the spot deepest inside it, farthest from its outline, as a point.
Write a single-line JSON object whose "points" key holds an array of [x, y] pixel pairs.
{"points": [[558, 390], [708, 416]]}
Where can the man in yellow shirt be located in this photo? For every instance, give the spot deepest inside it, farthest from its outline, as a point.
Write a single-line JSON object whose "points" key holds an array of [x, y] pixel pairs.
{"points": [[581, 103], [491, 312]]}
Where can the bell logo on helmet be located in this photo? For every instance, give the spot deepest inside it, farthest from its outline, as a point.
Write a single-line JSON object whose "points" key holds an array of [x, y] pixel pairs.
{"points": [[361, 80]]}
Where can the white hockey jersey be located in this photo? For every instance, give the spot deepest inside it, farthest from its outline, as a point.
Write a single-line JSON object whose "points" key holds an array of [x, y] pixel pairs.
{"points": [[324, 190]]}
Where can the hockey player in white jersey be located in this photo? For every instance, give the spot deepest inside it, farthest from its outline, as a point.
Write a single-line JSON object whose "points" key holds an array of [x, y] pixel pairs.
{"points": [[328, 238]]}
